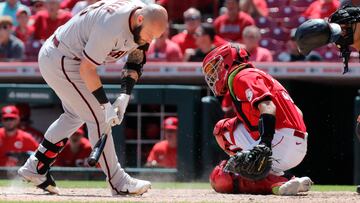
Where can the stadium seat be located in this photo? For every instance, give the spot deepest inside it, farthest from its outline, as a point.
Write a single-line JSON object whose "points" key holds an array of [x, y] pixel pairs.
{"points": [[32, 48], [276, 3], [277, 33], [281, 12], [264, 22], [301, 3], [272, 44], [293, 22]]}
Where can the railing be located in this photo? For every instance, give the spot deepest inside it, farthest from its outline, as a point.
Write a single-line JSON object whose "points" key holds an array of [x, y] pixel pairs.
{"points": [[185, 72]]}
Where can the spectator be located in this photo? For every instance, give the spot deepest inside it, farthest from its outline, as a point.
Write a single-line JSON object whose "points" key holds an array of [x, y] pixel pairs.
{"points": [[256, 8], [11, 48], [10, 7], [293, 54], [163, 49], [164, 153], [68, 4], [37, 5], [177, 8], [75, 152], [47, 21], [13, 141], [185, 39], [23, 31], [230, 25], [80, 5], [321, 8], [204, 39], [25, 122], [251, 37]]}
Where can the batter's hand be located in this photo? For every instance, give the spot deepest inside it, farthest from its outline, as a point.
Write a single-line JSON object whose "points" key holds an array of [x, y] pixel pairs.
{"points": [[110, 115], [120, 105]]}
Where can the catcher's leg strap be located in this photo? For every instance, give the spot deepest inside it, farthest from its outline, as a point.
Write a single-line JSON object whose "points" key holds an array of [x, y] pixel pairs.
{"points": [[47, 153]]}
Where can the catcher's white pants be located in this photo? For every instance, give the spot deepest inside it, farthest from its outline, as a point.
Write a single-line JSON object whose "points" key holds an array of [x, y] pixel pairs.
{"points": [[80, 106], [287, 150]]}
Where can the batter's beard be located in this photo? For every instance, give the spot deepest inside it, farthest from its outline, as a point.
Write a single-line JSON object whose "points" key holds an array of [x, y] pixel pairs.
{"points": [[136, 33]]}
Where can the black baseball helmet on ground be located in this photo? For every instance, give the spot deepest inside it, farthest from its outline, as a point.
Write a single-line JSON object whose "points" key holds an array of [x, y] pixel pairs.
{"points": [[316, 33]]}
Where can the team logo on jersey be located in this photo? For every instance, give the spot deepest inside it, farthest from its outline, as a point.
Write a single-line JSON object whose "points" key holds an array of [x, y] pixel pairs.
{"points": [[18, 145], [117, 54], [249, 94]]}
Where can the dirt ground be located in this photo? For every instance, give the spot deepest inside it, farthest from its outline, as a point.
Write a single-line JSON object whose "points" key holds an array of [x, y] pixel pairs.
{"points": [[167, 195]]}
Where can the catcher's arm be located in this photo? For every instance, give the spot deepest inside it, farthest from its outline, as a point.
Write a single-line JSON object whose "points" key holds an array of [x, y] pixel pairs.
{"points": [[267, 121]]}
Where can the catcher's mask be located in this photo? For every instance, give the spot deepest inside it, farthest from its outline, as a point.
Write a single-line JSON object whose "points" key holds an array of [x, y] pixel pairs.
{"points": [[219, 63], [347, 17]]}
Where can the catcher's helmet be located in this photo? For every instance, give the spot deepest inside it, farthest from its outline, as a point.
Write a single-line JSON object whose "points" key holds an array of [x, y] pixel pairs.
{"points": [[315, 33], [219, 63]]}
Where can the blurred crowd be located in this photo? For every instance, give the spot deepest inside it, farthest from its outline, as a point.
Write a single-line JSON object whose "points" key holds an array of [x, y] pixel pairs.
{"points": [[264, 27]]}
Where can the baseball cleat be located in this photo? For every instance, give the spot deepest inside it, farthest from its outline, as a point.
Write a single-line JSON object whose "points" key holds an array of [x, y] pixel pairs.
{"points": [[134, 187], [305, 184], [294, 186], [29, 174]]}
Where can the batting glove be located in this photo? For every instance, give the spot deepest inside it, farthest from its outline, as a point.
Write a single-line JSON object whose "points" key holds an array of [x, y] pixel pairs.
{"points": [[120, 105], [110, 115]]}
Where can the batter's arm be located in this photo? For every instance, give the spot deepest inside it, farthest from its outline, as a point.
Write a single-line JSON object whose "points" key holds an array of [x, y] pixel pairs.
{"points": [[89, 75]]}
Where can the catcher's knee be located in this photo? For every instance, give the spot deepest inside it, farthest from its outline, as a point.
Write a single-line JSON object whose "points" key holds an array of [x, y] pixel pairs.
{"points": [[227, 125], [220, 181]]}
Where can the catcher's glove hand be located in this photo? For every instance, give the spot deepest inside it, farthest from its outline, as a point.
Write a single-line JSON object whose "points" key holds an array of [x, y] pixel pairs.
{"points": [[253, 165]]}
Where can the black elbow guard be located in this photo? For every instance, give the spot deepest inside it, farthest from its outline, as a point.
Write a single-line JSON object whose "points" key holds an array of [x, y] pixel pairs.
{"points": [[127, 85], [267, 124]]}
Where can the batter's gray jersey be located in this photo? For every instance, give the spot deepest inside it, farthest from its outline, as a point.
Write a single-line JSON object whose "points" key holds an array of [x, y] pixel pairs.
{"points": [[101, 32]]}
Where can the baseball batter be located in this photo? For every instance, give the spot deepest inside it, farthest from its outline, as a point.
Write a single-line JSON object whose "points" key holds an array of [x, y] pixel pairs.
{"points": [[101, 33], [267, 124]]}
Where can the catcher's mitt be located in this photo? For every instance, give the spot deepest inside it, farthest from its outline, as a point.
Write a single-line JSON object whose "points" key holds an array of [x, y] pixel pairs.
{"points": [[253, 165]]}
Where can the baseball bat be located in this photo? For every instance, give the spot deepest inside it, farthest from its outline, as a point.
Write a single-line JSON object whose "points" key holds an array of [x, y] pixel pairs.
{"points": [[97, 150]]}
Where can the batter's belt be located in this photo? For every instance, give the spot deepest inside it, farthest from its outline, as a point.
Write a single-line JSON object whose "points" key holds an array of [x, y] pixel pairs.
{"points": [[56, 43]]}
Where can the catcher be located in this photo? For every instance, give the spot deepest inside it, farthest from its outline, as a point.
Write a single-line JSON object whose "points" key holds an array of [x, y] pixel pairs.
{"points": [[268, 135]]}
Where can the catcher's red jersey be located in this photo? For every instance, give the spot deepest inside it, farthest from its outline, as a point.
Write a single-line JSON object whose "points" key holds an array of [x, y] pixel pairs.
{"points": [[250, 86]]}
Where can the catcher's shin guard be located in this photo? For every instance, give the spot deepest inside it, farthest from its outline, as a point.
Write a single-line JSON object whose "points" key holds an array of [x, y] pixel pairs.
{"points": [[47, 153]]}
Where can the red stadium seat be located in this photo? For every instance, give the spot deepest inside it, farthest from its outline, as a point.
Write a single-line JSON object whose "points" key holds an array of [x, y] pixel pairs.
{"points": [[271, 44], [293, 22], [329, 53], [276, 3], [281, 12], [277, 33], [301, 3], [263, 22], [32, 48]]}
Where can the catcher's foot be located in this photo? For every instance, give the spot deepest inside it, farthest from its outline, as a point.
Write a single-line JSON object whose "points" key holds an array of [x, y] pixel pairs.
{"points": [[305, 184], [133, 186], [294, 186], [29, 173]]}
